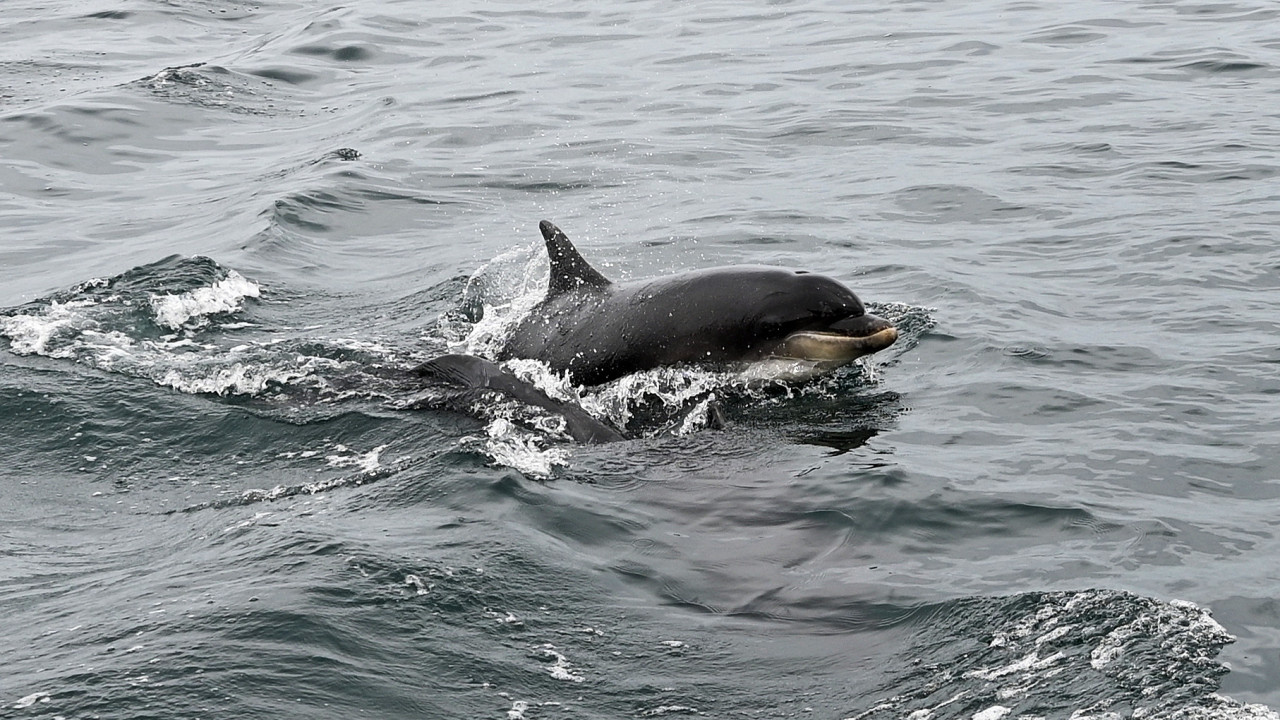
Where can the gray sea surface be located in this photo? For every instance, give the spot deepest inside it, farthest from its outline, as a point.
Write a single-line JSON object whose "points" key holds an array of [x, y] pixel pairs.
{"points": [[228, 229]]}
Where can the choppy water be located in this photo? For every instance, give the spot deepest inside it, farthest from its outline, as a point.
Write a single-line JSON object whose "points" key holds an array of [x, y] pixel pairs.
{"points": [[220, 504]]}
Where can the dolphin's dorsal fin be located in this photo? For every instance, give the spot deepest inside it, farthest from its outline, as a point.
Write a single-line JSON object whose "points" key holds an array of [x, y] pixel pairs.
{"points": [[568, 270]]}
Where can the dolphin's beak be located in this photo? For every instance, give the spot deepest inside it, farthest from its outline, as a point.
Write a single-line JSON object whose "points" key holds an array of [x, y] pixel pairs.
{"points": [[844, 342]]}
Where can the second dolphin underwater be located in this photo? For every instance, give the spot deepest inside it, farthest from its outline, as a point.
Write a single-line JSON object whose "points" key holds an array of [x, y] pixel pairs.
{"points": [[595, 330]]}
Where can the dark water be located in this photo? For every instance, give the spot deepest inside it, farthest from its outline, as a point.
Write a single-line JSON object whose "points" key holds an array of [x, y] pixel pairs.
{"points": [[218, 505]]}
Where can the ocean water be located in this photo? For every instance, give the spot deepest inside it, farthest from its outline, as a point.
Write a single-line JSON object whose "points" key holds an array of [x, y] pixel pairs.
{"points": [[229, 229]]}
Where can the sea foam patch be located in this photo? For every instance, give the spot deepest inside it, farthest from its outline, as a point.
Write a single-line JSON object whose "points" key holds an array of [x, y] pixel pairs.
{"points": [[194, 306], [45, 332], [507, 444]]}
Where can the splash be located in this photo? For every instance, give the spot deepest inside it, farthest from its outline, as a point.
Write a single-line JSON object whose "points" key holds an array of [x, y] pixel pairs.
{"points": [[498, 295], [194, 307], [47, 333], [507, 444]]}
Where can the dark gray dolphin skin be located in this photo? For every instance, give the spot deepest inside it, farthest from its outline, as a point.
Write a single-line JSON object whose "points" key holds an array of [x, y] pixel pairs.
{"points": [[474, 375], [597, 330]]}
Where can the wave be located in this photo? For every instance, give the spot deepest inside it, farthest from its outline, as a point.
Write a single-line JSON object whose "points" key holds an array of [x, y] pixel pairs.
{"points": [[162, 322]]}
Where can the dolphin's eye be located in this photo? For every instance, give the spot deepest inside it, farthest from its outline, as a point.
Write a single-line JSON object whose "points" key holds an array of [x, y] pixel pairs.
{"points": [[771, 327]]}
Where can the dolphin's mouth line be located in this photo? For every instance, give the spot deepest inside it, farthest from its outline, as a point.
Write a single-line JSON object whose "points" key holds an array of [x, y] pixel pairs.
{"points": [[833, 346]]}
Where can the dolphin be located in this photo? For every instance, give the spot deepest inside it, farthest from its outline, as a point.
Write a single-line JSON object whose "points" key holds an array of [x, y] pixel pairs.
{"points": [[596, 330]]}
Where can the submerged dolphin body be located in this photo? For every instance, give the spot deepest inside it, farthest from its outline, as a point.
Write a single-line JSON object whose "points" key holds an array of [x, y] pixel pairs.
{"points": [[597, 330], [476, 375]]}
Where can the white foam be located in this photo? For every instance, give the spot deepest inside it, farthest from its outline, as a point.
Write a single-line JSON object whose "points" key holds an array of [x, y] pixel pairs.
{"points": [[367, 474], [1194, 621], [224, 296], [242, 378], [366, 463], [1111, 647], [1224, 708], [560, 669], [995, 712], [79, 330], [417, 583], [1203, 621], [508, 445], [1029, 663], [32, 699], [508, 618], [1054, 634], [696, 419], [672, 386], [669, 709], [38, 334]]}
